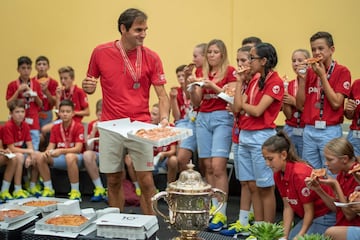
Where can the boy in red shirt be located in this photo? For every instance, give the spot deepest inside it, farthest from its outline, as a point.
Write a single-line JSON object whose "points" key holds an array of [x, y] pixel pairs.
{"points": [[16, 137], [10, 163], [29, 91], [63, 151]]}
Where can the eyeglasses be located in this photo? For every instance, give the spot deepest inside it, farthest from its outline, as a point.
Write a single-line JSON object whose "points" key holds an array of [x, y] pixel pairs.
{"points": [[252, 58]]}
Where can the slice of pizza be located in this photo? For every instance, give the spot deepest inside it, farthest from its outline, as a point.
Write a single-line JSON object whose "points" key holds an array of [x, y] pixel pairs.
{"points": [[313, 60], [318, 173], [356, 168], [354, 196]]}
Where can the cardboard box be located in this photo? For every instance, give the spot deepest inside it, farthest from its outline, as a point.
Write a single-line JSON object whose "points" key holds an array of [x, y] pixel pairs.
{"points": [[128, 226]]}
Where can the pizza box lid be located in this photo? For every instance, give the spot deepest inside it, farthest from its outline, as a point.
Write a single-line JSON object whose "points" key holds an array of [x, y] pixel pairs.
{"points": [[130, 226], [226, 97]]}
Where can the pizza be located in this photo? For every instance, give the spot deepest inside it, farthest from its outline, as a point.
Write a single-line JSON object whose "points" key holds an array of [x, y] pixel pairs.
{"points": [[318, 173], [313, 60], [11, 213], [40, 203], [43, 80], [67, 220], [230, 92], [354, 196], [356, 168], [156, 133]]}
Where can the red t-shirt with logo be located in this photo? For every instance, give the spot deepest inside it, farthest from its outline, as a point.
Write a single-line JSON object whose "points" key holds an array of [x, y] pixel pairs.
{"points": [[67, 137], [14, 134]]}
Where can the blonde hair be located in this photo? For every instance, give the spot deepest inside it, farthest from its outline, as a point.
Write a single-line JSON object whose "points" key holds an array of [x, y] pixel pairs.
{"points": [[224, 59], [340, 147]]}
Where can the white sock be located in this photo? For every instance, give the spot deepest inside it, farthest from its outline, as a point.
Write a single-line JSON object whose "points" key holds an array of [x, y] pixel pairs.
{"points": [[5, 186], [74, 186], [97, 183], [48, 184], [244, 217], [17, 187], [258, 222], [136, 184], [32, 184], [214, 202], [223, 208]]}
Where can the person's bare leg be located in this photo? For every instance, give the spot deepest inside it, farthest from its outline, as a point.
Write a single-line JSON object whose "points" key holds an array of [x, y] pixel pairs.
{"points": [[115, 190], [172, 166], [72, 167], [147, 186], [268, 201]]}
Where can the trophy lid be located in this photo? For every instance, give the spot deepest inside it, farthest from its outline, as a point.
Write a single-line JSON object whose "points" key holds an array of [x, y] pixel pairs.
{"points": [[190, 181]]}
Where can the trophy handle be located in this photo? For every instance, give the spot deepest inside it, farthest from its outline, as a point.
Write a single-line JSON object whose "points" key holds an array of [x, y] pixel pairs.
{"points": [[221, 198], [155, 199]]}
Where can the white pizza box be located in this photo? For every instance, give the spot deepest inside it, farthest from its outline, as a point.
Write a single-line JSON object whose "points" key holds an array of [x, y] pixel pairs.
{"points": [[90, 214], [44, 209], [128, 226], [127, 129], [226, 97], [181, 133], [123, 126], [19, 221]]}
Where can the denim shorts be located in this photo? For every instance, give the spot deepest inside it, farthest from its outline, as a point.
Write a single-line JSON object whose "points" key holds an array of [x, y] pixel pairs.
{"points": [[213, 133], [315, 141], [188, 143], [354, 141], [353, 232], [47, 120], [295, 139], [251, 163], [60, 162]]}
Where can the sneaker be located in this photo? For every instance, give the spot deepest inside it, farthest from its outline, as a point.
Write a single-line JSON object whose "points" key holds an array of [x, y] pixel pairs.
{"points": [[218, 222], [251, 238], [19, 194], [138, 192], [35, 191], [74, 195], [48, 192], [251, 218], [5, 195], [236, 229], [99, 194]]}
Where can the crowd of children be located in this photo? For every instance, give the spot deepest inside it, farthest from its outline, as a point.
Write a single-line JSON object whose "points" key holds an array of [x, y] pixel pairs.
{"points": [[313, 104]]}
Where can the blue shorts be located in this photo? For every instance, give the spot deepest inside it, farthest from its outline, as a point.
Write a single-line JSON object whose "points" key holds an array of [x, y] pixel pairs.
{"points": [[252, 165], [60, 162], [47, 120], [315, 141], [161, 164], [295, 139], [188, 143], [355, 142], [235, 150], [318, 225], [213, 133], [35, 139], [353, 232]]}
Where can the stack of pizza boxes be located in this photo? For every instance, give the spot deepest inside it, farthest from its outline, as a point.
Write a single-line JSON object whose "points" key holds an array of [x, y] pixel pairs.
{"points": [[127, 226]]}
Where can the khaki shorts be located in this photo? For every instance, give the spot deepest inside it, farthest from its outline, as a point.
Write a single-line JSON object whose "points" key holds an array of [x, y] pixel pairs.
{"points": [[113, 147]]}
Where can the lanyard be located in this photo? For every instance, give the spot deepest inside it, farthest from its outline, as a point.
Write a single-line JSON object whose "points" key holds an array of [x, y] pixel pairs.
{"points": [[255, 88], [67, 139], [68, 96], [134, 74], [322, 95]]}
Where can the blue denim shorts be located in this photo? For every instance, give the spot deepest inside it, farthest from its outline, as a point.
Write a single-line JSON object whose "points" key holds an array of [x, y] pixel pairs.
{"points": [[213, 133], [189, 142], [252, 165], [60, 162]]}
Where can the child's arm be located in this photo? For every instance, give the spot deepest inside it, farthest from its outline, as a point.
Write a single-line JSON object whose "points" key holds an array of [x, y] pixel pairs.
{"points": [[59, 151], [169, 153], [84, 112], [23, 87]]}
